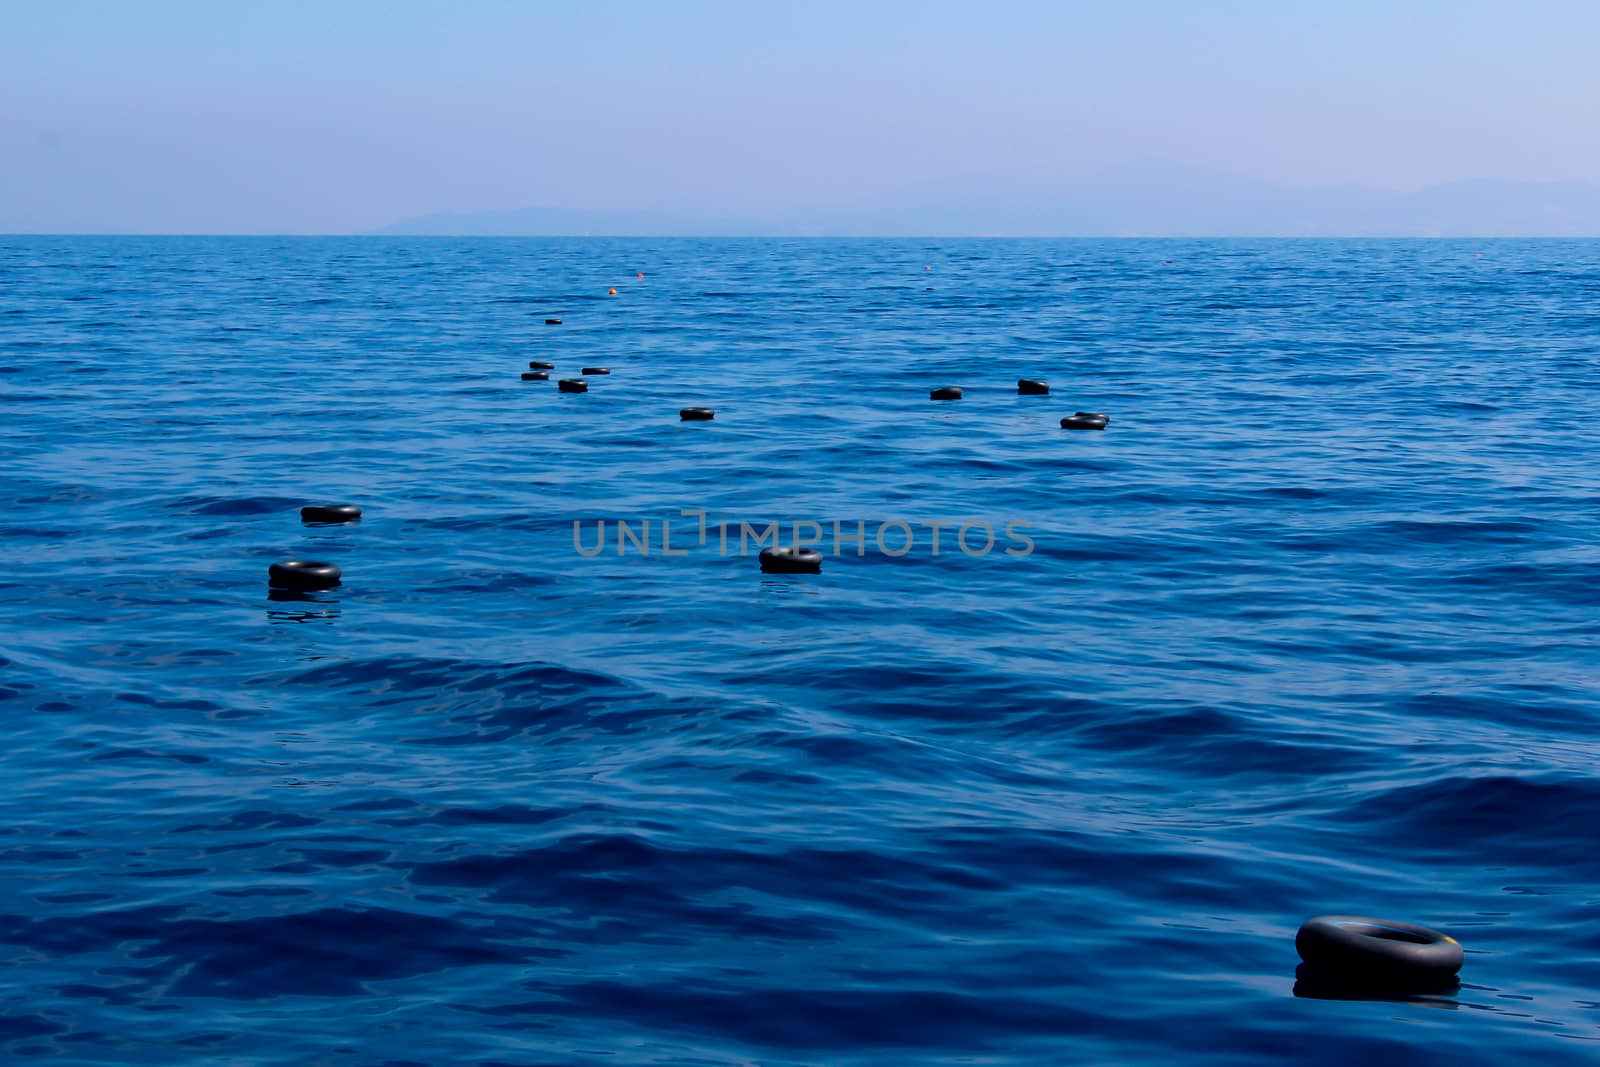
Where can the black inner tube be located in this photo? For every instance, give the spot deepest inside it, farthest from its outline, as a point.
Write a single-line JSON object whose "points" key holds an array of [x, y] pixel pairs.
{"points": [[330, 513], [1353, 947], [791, 561], [303, 574], [1084, 421]]}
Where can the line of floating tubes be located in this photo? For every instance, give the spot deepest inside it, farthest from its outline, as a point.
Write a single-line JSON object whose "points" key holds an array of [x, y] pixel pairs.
{"points": [[1345, 957]]}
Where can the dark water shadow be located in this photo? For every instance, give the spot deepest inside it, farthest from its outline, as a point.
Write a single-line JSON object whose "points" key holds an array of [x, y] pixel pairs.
{"points": [[1311, 984], [328, 613]]}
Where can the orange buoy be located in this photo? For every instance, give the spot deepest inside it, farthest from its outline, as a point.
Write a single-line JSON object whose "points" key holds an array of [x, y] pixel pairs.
{"points": [[611, 292]]}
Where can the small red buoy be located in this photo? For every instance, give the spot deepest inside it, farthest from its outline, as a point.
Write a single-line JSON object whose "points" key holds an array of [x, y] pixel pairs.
{"points": [[640, 274]]}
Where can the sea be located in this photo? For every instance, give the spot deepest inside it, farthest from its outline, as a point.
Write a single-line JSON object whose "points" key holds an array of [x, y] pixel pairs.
{"points": [[1047, 764]]}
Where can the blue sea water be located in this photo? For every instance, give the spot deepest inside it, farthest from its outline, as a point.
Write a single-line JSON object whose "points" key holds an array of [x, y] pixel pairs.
{"points": [[1310, 628]]}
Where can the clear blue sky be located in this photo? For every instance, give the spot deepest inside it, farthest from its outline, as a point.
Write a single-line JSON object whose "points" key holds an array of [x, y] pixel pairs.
{"points": [[289, 116]]}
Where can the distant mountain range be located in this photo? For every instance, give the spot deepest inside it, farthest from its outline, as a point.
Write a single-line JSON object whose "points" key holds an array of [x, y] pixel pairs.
{"points": [[1135, 200]]}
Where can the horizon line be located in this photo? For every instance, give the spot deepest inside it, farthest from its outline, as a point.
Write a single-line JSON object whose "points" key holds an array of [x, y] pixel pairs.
{"points": [[370, 235]]}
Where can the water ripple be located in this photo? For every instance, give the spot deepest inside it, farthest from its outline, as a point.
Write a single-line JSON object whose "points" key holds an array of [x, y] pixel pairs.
{"points": [[1309, 628]]}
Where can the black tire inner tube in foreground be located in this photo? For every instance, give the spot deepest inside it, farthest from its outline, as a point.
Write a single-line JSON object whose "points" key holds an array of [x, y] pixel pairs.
{"points": [[697, 414], [791, 561], [1085, 420], [574, 385], [303, 574], [1382, 952]]}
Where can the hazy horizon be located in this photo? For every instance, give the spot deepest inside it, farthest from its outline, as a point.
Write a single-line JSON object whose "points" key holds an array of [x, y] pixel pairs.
{"points": [[161, 117]]}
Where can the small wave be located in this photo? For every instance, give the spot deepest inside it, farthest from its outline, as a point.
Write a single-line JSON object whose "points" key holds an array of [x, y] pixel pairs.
{"points": [[1495, 819], [250, 505]]}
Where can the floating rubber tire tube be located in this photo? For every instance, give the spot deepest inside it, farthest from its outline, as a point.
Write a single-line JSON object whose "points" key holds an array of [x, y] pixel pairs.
{"points": [[574, 385], [302, 574], [330, 513], [539, 364], [597, 370], [1354, 948], [697, 414], [791, 561], [536, 376], [948, 392], [1032, 387], [552, 322], [1085, 420]]}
